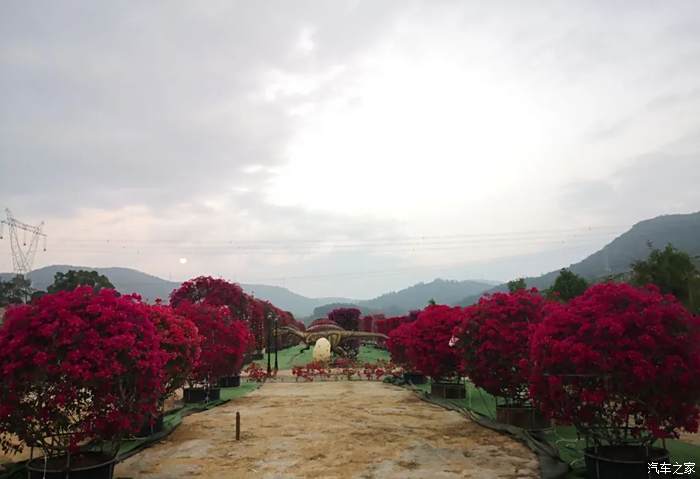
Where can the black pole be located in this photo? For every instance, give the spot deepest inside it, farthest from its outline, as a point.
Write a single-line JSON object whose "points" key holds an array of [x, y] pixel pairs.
{"points": [[269, 343], [276, 344]]}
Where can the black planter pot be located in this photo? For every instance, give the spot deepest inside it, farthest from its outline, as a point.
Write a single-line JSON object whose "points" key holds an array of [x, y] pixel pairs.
{"points": [[196, 395], [628, 462], [86, 465], [230, 382], [525, 417], [149, 429], [448, 390], [414, 378]]}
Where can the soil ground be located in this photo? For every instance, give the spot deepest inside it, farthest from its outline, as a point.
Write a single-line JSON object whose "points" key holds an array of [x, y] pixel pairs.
{"points": [[345, 429]]}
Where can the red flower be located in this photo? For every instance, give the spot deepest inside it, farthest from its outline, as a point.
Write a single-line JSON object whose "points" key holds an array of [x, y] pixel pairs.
{"points": [[224, 341], [78, 362], [493, 341], [181, 340], [618, 353], [423, 345]]}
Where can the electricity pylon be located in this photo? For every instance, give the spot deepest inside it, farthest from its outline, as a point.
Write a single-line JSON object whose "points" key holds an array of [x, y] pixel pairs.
{"points": [[22, 252]]}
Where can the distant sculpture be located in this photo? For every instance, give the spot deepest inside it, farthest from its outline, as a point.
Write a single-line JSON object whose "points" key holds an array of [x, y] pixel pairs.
{"points": [[322, 350], [335, 336]]}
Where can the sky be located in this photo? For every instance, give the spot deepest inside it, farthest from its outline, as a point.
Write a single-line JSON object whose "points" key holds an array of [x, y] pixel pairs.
{"points": [[345, 148]]}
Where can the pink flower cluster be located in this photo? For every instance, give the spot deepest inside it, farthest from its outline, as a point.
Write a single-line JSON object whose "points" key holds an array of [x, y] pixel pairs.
{"points": [[79, 364], [493, 342], [618, 357], [423, 345]]}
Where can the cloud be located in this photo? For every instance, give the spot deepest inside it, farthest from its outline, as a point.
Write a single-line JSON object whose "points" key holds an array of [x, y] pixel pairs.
{"points": [[661, 182], [180, 128]]}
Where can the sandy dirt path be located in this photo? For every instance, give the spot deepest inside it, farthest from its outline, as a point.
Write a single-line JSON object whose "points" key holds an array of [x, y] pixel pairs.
{"points": [[332, 430]]}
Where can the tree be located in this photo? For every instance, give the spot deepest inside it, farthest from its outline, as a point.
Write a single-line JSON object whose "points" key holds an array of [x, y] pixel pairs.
{"points": [[517, 285], [672, 271], [77, 366], [620, 363], [18, 290], [567, 286], [74, 278], [346, 318], [493, 341]]}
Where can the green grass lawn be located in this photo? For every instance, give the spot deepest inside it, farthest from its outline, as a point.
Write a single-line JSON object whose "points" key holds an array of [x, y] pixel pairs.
{"points": [[290, 357]]}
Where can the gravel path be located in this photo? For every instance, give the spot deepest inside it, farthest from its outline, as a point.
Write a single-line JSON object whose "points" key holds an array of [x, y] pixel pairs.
{"points": [[343, 429]]}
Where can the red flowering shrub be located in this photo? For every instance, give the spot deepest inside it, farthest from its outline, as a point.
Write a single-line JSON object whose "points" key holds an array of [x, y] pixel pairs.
{"points": [[493, 341], [346, 318], [311, 370], [257, 315], [427, 341], [224, 341], [618, 356], [396, 344], [78, 365], [367, 322], [214, 292], [219, 292], [180, 339], [256, 373]]}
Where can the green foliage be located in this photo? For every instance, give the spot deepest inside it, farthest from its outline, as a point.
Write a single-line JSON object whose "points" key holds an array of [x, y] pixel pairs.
{"points": [[72, 279], [516, 285], [431, 302], [567, 286], [15, 291], [673, 271]]}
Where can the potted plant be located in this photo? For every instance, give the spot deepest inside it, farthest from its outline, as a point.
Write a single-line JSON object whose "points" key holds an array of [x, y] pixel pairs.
{"points": [[620, 364], [428, 351], [78, 367], [180, 340], [397, 348], [218, 292], [223, 347], [493, 342]]}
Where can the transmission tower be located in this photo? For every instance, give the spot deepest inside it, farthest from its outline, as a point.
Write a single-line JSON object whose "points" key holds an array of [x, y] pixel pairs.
{"points": [[23, 251]]}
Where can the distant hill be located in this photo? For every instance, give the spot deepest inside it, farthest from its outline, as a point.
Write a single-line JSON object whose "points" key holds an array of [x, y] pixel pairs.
{"points": [[288, 300], [417, 296], [414, 297], [125, 280], [150, 287], [682, 231]]}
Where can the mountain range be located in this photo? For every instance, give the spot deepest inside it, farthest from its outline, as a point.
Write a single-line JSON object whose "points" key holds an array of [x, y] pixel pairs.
{"points": [[683, 231], [399, 302]]}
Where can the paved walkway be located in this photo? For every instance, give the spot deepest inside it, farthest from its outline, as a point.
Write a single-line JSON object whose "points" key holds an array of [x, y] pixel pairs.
{"points": [[343, 429]]}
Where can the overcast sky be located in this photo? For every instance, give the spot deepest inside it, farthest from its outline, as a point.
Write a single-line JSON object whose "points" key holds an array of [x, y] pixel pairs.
{"points": [[345, 148]]}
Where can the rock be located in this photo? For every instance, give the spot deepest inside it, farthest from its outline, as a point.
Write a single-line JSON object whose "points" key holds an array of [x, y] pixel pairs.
{"points": [[322, 350]]}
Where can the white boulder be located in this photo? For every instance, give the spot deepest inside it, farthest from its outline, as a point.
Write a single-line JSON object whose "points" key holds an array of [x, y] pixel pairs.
{"points": [[322, 350]]}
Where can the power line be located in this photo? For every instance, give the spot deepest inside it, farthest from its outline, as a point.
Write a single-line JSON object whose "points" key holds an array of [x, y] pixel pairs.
{"points": [[354, 242]]}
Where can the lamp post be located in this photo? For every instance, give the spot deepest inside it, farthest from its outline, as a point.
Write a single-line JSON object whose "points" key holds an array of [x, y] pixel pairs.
{"points": [[276, 344], [269, 343]]}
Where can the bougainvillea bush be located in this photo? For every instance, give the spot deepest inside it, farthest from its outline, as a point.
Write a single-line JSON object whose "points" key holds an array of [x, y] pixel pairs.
{"points": [[427, 347], [397, 344], [493, 342], [214, 292], [224, 341], [180, 340], [346, 318], [620, 363], [78, 365]]}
